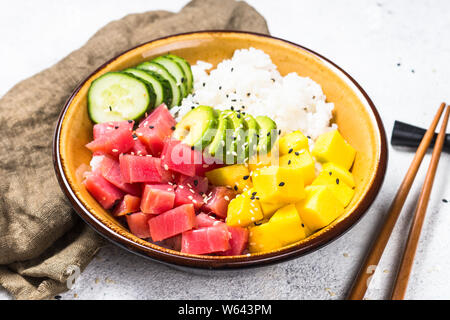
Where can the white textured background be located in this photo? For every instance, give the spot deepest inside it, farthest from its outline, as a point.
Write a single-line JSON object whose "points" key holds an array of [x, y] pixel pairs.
{"points": [[368, 39]]}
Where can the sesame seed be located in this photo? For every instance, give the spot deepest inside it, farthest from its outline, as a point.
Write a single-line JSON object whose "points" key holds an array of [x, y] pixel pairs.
{"points": [[180, 186], [130, 121], [152, 127], [289, 162], [444, 200], [227, 198], [290, 150], [235, 188], [281, 184], [115, 150], [246, 177], [173, 128], [166, 167], [337, 180], [195, 182]]}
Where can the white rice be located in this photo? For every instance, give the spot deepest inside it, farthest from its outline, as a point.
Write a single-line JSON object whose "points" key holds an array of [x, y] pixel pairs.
{"points": [[250, 79]]}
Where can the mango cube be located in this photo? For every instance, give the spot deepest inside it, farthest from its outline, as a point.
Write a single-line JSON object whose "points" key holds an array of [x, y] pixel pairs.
{"points": [[285, 227], [279, 184], [301, 161], [263, 160], [293, 141], [339, 188], [244, 210], [263, 238], [319, 208], [331, 147], [340, 173], [236, 176], [269, 208]]}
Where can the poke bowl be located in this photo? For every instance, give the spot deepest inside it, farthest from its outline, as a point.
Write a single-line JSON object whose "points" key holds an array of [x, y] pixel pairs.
{"points": [[110, 150]]}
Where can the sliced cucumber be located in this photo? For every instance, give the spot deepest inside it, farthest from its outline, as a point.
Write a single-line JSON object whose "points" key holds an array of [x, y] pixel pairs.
{"points": [[162, 71], [154, 81], [176, 71], [118, 96], [187, 71]]}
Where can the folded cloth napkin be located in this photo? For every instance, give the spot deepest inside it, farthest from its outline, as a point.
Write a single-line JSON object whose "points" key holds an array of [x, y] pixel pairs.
{"points": [[43, 244]]}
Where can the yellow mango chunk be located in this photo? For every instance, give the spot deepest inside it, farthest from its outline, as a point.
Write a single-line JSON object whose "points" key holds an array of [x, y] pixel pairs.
{"points": [[301, 161], [236, 176], [339, 172], [331, 147], [339, 188], [262, 160], [269, 208], [244, 210], [285, 227], [263, 238], [293, 141], [319, 208], [278, 184]]}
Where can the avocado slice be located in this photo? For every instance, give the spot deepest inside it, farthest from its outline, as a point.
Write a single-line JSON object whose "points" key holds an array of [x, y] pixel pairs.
{"points": [[252, 136], [217, 147], [267, 134], [198, 127], [236, 150]]}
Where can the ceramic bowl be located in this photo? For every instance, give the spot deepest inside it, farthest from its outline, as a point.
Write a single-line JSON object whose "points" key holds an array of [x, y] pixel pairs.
{"points": [[355, 114]]}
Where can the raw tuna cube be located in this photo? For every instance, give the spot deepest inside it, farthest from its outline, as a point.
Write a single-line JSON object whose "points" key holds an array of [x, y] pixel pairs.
{"points": [[203, 220], [104, 192], [107, 127], [157, 199], [155, 129], [206, 240], [217, 201], [238, 241], [139, 149], [173, 243], [81, 172], [180, 157], [186, 195], [110, 170], [113, 143], [138, 224], [141, 169], [129, 204], [172, 222], [199, 184]]}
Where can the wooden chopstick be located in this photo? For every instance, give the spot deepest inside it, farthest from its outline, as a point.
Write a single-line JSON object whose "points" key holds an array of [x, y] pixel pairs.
{"points": [[401, 281], [371, 261]]}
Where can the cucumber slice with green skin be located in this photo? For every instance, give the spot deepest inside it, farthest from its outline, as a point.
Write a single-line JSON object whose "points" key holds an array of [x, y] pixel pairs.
{"points": [[217, 147], [176, 71], [252, 136], [187, 71], [118, 96], [153, 81], [198, 127], [236, 153], [267, 134], [159, 69]]}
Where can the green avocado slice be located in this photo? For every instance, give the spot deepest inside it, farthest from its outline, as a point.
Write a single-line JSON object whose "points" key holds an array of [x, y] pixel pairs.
{"points": [[236, 149], [217, 147], [267, 134], [198, 127], [252, 136]]}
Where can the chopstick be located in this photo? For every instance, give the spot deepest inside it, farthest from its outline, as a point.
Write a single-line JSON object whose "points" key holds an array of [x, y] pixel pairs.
{"points": [[371, 261], [401, 281]]}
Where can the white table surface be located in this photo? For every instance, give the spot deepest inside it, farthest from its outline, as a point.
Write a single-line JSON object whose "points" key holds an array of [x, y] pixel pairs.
{"points": [[366, 38]]}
